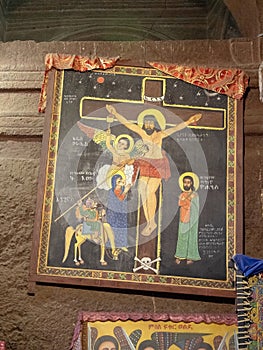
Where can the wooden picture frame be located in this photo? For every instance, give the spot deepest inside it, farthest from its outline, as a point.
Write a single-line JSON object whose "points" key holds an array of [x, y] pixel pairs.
{"points": [[135, 240], [155, 331]]}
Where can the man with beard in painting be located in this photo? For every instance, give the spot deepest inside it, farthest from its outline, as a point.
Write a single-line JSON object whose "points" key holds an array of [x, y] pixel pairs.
{"points": [[154, 165], [187, 243]]}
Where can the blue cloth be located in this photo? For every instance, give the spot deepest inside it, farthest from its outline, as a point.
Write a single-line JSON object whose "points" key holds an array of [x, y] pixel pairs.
{"points": [[117, 215], [117, 218], [247, 265]]}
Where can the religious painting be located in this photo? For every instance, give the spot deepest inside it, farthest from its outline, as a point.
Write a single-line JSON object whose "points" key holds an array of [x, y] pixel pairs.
{"points": [[97, 331], [141, 182]]}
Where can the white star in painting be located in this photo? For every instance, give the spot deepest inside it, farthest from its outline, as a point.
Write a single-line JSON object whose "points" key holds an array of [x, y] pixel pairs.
{"points": [[95, 87], [181, 98], [113, 83], [130, 90]]}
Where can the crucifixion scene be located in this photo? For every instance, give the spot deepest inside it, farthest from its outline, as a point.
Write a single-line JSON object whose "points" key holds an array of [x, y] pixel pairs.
{"points": [[136, 178]]}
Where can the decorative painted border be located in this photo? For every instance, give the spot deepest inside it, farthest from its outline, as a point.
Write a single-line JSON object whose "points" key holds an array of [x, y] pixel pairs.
{"points": [[42, 267], [81, 336]]}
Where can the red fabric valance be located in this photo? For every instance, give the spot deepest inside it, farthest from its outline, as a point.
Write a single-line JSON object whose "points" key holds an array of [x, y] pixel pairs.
{"points": [[231, 82], [227, 319], [75, 62]]}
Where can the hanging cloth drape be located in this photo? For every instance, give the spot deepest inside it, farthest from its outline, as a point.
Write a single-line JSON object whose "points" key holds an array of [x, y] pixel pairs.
{"points": [[231, 82], [247, 265], [75, 62]]}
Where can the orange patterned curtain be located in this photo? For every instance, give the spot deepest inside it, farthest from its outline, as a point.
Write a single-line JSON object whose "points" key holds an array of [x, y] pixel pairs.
{"points": [[78, 63], [231, 82]]}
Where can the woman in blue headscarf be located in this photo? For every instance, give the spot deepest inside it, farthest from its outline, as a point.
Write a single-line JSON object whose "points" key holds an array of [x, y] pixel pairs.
{"points": [[117, 210]]}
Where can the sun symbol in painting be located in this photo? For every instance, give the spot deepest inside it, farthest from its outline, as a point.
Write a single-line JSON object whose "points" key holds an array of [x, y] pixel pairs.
{"points": [[100, 80]]}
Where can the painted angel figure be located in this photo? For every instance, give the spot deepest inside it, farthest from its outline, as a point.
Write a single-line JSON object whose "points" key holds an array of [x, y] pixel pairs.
{"points": [[123, 149]]}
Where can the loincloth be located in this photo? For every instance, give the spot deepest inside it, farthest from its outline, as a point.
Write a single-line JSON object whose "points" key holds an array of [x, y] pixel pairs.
{"points": [[158, 168]]}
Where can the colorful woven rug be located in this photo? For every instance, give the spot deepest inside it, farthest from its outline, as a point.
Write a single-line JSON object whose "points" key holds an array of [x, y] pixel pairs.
{"points": [[255, 283], [249, 281]]}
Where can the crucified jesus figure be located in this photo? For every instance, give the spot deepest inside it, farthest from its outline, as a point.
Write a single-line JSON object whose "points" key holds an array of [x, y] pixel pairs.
{"points": [[154, 165]]}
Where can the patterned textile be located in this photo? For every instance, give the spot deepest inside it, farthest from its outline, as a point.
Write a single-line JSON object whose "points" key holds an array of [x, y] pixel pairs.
{"points": [[75, 62], [250, 311], [249, 280], [243, 310], [255, 284], [231, 82]]}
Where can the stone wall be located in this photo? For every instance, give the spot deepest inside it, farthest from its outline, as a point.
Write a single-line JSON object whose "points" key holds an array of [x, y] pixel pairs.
{"points": [[46, 320], [118, 20]]}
